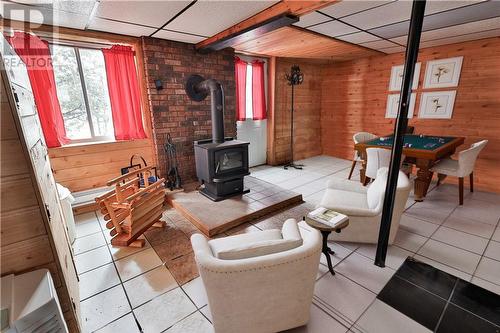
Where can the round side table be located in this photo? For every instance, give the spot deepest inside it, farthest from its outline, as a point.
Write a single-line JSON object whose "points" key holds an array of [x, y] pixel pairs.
{"points": [[325, 232]]}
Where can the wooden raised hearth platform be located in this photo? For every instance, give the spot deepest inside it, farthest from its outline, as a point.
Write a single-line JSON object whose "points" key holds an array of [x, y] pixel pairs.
{"points": [[215, 217]]}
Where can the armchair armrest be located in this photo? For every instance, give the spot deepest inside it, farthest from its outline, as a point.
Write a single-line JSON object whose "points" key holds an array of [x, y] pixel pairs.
{"points": [[356, 211], [346, 185]]}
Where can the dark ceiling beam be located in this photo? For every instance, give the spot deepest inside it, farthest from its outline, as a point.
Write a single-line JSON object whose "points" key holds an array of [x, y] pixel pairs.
{"points": [[280, 9]]}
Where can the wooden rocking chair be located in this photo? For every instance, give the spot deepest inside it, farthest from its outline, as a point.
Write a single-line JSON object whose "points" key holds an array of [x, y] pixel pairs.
{"points": [[132, 207]]}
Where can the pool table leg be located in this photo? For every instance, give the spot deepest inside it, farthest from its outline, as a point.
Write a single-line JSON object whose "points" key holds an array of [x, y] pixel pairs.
{"points": [[424, 177]]}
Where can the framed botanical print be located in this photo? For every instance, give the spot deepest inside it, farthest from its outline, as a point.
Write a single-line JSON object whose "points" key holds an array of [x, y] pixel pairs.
{"points": [[397, 77], [443, 73], [393, 104], [437, 104]]}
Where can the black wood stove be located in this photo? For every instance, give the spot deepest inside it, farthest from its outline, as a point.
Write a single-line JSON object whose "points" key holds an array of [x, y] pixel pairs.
{"points": [[221, 162]]}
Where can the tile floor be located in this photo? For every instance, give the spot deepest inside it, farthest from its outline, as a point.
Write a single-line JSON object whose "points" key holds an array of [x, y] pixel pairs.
{"points": [[123, 290]]}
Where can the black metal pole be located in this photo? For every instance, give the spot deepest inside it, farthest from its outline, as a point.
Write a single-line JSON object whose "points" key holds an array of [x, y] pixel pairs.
{"points": [[291, 133], [417, 18]]}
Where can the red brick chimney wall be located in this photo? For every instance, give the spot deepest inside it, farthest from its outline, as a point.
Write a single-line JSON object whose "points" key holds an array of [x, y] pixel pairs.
{"points": [[172, 110]]}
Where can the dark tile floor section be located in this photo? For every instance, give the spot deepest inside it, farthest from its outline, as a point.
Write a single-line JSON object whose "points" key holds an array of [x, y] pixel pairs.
{"points": [[440, 301]]}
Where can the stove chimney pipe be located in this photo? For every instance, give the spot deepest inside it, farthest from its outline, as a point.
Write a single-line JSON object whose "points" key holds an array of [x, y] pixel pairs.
{"points": [[197, 88]]}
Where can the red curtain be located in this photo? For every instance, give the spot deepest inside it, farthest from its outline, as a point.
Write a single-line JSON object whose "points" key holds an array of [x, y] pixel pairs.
{"points": [[258, 91], [124, 95], [240, 67], [35, 54]]}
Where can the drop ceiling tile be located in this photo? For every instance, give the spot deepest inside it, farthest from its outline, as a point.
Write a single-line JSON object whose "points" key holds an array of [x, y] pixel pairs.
{"points": [[395, 49], [206, 18], [83, 7], [391, 13], [463, 38], [42, 15], [178, 36], [456, 30], [358, 37], [462, 15], [311, 19], [378, 44], [344, 8], [150, 13], [433, 7], [119, 27], [333, 29]]}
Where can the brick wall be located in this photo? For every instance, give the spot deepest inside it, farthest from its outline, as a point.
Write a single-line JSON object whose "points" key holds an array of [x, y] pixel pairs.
{"points": [[172, 110]]}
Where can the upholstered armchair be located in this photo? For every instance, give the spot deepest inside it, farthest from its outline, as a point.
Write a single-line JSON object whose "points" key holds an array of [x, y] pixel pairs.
{"points": [[460, 168], [260, 281], [363, 206], [377, 158]]}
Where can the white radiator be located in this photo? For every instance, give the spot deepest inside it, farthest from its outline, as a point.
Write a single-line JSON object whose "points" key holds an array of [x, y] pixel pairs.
{"points": [[29, 304]]}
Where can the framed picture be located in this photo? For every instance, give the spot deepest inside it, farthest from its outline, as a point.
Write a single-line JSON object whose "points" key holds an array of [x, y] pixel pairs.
{"points": [[397, 77], [437, 104], [393, 104], [443, 73]]}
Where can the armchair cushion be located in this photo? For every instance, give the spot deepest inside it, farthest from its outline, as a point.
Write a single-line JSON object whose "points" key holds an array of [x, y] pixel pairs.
{"points": [[256, 244], [345, 185]]}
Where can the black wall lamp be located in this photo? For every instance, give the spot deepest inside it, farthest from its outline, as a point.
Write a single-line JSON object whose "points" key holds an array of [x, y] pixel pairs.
{"points": [[158, 84]]}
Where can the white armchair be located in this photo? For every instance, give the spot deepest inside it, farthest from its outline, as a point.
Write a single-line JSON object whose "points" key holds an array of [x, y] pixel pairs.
{"points": [[460, 168], [377, 158], [357, 138], [263, 288], [363, 206]]}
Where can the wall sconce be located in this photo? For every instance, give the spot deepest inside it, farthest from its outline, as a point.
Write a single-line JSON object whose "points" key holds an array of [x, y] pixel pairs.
{"points": [[158, 85]]}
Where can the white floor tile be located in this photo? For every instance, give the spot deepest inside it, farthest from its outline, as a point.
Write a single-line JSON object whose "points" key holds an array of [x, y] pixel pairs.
{"points": [[429, 213], [164, 311], [340, 253], [486, 196], [362, 270], [206, 312], [137, 263], [196, 291], [146, 286], [195, 323], [479, 210], [444, 268], [461, 239], [493, 250], [495, 288], [489, 270], [394, 258], [91, 259], [119, 252], [97, 280], [89, 242], [417, 226], [381, 317], [86, 224], [103, 308], [125, 324], [408, 240], [470, 226], [319, 322], [449, 255], [322, 270], [496, 235], [337, 292]]}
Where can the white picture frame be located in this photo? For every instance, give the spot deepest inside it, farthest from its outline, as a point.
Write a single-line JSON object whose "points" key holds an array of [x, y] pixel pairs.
{"points": [[391, 110], [443, 73], [396, 80], [437, 104]]}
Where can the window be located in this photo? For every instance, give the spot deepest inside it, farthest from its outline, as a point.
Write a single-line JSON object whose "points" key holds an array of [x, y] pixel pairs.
{"points": [[248, 95], [82, 90]]}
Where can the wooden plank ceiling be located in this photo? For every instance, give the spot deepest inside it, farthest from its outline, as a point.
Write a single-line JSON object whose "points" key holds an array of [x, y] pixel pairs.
{"points": [[293, 42]]}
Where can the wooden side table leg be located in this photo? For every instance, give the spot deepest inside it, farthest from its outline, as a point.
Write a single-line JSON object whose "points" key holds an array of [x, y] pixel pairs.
{"points": [[424, 177], [327, 251]]}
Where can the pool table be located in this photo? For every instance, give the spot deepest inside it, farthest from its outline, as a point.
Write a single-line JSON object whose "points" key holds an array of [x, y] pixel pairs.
{"points": [[421, 150]]}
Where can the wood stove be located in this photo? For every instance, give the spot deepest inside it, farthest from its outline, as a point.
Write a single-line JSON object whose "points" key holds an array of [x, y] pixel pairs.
{"points": [[221, 162]]}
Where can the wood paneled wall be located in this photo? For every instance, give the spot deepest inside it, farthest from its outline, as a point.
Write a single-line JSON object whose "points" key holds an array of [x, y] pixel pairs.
{"points": [[90, 166], [26, 241], [307, 112], [354, 95]]}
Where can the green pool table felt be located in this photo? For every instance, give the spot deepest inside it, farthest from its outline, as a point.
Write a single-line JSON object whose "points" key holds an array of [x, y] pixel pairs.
{"points": [[414, 141]]}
